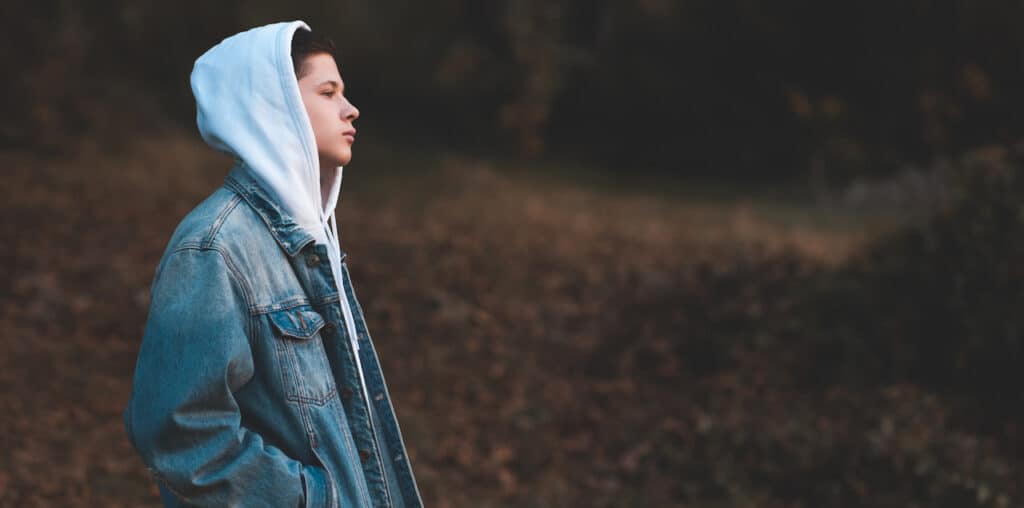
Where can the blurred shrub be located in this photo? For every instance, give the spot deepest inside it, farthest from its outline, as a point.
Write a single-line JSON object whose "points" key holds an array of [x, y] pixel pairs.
{"points": [[939, 302], [754, 90], [108, 69]]}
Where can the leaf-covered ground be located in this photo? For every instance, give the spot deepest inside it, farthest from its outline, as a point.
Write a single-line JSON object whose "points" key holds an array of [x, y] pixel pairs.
{"points": [[546, 345]]}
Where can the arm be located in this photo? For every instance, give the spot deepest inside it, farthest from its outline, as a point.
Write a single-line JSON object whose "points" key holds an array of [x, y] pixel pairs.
{"points": [[182, 416]]}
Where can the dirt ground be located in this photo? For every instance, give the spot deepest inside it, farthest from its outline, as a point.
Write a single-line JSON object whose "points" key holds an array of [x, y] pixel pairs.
{"points": [[545, 345]]}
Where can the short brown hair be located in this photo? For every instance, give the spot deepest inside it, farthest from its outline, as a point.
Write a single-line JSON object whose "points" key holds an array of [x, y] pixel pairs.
{"points": [[306, 44]]}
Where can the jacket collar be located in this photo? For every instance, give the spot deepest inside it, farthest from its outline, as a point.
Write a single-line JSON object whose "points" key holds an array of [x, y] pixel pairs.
{"points": [[289, 235]]}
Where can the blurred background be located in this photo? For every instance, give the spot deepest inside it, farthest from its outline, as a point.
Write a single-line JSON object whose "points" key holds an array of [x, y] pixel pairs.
{"points": [[613, 253]]}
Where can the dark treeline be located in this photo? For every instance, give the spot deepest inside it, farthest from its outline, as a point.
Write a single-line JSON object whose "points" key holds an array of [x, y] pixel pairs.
{"points": [[699, 87]]}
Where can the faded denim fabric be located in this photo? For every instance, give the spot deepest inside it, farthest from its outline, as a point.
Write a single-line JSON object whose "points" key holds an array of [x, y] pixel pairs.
{"points": [[246, 391]]}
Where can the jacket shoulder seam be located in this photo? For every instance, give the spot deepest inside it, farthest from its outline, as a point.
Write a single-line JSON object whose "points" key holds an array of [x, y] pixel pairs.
{"points": [[218, 222], [233, 271]]}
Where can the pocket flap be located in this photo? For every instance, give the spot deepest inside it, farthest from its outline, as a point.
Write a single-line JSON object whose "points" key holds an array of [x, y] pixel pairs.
{"points": [[299, 323]]}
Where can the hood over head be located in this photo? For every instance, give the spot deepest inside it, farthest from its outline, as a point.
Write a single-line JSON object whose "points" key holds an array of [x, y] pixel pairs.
{"points": [[249, 105]]}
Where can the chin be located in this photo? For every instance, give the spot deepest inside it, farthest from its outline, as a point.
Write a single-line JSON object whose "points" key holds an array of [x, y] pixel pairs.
{"points": [[344, 157], [340, 159]]}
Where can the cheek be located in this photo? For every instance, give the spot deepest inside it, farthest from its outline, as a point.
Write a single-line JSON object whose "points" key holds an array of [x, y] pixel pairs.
{"points": [[321, 125]]}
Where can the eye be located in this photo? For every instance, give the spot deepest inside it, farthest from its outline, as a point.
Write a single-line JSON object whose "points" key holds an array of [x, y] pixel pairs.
{"points": [[328, 93]]}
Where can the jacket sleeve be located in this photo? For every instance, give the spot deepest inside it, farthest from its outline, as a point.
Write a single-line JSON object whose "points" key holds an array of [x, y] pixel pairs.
{"points": [[182, 416]]}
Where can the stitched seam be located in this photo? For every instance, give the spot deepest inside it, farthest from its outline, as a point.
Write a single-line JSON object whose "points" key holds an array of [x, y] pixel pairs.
{"points": [[233, 270], [281, 351], [288, 304], [252, 325], [300, 386], [235, 275], [315, 401], [307, 421], [294, 302], [219, 221], [296, 391], [380, 462], [333, 488], [350, 446], [326, 368], [239, 190], [247, 195], [347, 438]]}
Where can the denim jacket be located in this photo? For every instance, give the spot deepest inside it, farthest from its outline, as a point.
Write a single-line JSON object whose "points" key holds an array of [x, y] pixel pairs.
{"points": [[246, 391]]}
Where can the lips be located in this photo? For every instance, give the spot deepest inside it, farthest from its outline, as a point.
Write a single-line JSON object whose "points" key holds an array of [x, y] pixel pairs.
{"points": [[351, 135]]}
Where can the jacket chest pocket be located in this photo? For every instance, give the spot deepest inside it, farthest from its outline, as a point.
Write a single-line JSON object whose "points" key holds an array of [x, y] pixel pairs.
{"points": [[305, 373]]}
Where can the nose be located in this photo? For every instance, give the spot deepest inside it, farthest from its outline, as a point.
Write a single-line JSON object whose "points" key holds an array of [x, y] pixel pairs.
{"points": [[352, 112]]}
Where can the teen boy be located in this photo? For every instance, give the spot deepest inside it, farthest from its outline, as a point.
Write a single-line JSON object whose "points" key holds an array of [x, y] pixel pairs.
{"points": [[257, 383]]}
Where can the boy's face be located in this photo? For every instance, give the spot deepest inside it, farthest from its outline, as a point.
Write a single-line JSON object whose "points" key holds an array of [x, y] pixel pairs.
{"points": [[331, 114]]}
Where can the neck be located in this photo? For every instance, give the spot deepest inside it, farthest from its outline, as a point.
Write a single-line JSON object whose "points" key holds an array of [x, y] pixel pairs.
{"points": [[327, 174]]}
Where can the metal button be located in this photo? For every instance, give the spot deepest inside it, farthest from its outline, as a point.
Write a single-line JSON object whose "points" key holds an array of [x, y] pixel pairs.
{"points": [[329, 329], [346, 393], [364, 455], [312, 260]]}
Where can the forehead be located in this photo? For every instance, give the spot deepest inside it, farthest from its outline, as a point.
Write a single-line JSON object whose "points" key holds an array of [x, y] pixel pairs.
{"points": [[320, 67]]}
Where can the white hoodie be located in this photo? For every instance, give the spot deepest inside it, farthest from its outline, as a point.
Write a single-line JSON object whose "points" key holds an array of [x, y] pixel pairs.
{"points": [[248, 105]]}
